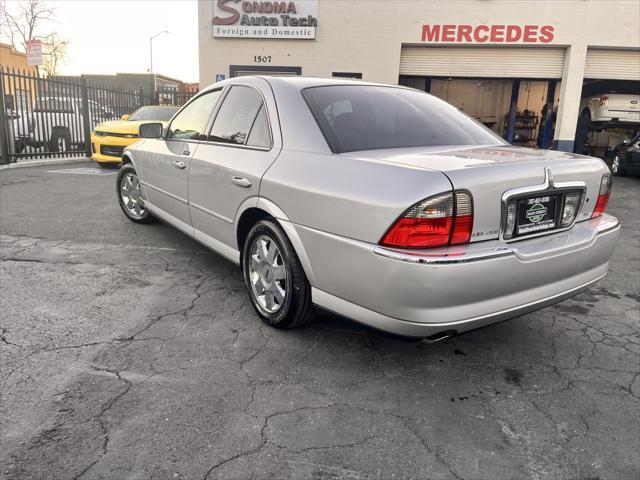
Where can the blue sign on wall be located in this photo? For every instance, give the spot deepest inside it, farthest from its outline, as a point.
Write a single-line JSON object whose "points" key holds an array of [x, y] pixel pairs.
{"points": [[219, 77]]}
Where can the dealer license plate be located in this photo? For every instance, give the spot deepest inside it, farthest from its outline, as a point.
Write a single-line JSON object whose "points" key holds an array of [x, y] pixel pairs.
{"points": [[536, 214]]}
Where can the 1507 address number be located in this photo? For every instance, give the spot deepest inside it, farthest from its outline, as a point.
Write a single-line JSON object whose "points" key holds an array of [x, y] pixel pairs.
{"points": [[262, 58]]}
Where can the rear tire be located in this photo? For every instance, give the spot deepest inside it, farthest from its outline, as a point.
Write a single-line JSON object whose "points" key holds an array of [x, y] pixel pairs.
{"points": [[278, 287], [130, 196]]}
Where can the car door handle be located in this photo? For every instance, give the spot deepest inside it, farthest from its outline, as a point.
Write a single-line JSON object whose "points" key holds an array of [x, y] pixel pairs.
{"points": [[241, 181], [179, 164], [186, 152]]}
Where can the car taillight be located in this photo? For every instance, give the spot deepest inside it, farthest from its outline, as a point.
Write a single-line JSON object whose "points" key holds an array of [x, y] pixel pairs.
{"points": [[603, 196], [441, 220], [604, 101]]}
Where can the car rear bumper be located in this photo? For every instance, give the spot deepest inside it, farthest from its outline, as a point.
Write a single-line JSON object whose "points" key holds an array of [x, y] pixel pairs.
{"points": [[422, 293]]}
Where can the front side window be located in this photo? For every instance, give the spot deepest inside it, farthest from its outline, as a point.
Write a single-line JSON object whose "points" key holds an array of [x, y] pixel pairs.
{"points": [[358, 117], [242, 119], [190, 123]]}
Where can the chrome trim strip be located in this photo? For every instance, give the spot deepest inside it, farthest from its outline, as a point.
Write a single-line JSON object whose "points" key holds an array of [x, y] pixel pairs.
{"points": [[473, 255], [464, 257], [608, 228], [548, 186], [210, 212], [171, 195]]}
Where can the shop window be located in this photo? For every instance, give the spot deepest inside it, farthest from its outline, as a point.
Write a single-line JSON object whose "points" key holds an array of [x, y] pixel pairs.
{"points": [[352, 75]]}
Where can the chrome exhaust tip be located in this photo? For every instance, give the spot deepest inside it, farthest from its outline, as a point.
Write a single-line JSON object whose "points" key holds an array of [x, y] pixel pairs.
{"points": [[437, 337]]}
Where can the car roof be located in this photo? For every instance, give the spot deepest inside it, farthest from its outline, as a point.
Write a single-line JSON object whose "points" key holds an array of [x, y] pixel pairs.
{"points": [[297, 82]]}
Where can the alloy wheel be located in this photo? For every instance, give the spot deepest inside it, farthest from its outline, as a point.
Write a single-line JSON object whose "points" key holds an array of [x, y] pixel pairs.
{"points": [[131, 195], [267, 274], [615, 165]]}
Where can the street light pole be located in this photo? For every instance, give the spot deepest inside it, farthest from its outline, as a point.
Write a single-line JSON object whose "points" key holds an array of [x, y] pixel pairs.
{"points": [[151, 48]]}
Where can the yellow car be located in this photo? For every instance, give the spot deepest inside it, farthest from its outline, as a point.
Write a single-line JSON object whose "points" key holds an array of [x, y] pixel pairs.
{"points": [[109, 139]]}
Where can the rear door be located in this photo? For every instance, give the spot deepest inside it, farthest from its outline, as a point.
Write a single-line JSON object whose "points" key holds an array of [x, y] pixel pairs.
{"points": [[163, 164], [227, 168]]}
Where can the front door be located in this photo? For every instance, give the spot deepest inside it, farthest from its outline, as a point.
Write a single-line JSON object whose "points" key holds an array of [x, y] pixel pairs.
{"points": [[227, 168], [164, 165]]}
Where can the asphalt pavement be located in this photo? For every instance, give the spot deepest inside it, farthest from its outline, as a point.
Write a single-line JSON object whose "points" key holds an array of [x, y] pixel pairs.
{"points": [[131, 352]]}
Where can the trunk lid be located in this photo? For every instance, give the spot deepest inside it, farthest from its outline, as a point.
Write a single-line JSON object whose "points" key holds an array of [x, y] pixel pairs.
{"points": [[489, 171]]}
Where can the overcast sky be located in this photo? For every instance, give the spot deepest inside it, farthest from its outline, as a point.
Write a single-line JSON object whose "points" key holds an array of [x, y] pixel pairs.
{"points": [[109, 36]]}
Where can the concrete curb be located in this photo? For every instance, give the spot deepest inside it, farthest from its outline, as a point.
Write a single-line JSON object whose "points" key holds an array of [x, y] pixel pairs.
{"points": [[44, 162]]}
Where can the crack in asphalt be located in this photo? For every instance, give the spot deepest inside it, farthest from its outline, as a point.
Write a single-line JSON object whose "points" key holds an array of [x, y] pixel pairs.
{"points": [[183, 315]]}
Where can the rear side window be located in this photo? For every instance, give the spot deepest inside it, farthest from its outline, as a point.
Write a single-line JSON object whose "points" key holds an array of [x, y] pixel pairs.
{"points": [[192, 119], [242, 119], [361, 117]]}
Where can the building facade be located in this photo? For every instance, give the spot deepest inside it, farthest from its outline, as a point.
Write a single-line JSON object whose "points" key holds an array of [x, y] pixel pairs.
{"points": [[517, 66]]}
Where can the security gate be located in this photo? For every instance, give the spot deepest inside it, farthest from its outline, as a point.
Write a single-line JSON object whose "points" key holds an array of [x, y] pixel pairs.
{"points": [[51, 117]]}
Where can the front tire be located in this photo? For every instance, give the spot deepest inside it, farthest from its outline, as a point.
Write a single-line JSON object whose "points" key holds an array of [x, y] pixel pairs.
{"points": [[277, 285], [130, 196], [108, 165]]}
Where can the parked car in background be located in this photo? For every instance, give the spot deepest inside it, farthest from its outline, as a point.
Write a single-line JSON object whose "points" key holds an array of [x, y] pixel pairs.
{"points": [[380, 203], [57, 123], [626, 157], [109, 139]]}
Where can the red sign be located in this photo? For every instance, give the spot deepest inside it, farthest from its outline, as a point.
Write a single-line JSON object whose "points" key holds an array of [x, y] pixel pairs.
{"points": [[487, 33]]}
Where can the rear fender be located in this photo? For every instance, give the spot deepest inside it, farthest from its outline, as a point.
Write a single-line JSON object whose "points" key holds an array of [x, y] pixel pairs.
{"points": [[283, 220]]}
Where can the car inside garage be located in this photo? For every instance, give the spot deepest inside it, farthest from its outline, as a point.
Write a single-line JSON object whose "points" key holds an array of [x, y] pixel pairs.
{"points": [[609, 118]]}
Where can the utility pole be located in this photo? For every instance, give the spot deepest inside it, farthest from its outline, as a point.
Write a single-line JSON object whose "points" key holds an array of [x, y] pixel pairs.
{"points": [[151, 48]]}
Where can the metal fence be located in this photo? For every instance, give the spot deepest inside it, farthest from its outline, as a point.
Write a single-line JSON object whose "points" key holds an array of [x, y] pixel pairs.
{"points": [[45, 117]]}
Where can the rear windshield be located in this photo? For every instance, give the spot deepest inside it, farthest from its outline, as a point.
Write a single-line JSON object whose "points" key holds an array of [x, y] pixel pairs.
{"points": [[161, 114], [361, 117]]}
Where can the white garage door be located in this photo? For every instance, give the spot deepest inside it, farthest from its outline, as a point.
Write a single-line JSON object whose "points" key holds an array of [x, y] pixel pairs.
{"points": [[612, 64], [485, 62]]}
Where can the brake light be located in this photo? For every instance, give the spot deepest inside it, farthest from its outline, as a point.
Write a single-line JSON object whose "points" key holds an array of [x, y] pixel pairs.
{"points": [[438, 221], [603, 196], [463, 220], [604, 101]]}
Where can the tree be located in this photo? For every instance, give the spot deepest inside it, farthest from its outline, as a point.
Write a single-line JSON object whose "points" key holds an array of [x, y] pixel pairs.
{"points": [[24, 20]]}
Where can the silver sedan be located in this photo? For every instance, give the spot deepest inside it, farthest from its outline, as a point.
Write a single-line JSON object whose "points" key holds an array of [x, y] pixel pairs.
{"points": [[380, 203]]}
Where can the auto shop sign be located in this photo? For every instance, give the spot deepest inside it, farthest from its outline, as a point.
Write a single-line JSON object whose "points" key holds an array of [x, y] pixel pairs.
{"points": [[487, 33], [296, 20]]}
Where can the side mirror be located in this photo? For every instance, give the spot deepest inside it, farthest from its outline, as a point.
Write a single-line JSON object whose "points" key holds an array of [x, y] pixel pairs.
{"points": [[151, 130], [124, 118]]}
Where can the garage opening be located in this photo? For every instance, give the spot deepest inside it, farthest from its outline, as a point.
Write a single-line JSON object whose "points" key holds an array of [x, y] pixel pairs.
{"points": [[514, 91], [609, 120]]}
